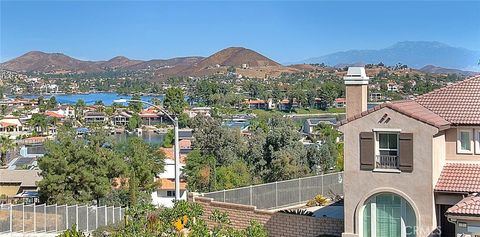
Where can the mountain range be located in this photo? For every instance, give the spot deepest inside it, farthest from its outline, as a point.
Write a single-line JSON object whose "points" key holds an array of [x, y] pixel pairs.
{"points": [[36, 61], [415, 54], [431, 57]]}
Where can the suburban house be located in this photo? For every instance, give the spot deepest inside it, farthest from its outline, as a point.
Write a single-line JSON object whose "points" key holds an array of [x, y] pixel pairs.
{"points": [[165, 194], [95, 117], [259, 104], [19, 184], [151, 117], [412, 168], [287, 105], [309, 124], [205, 111], [121, 118], [66, 110], [375, 96], [340, 103], [10, 124], [320, 104]]}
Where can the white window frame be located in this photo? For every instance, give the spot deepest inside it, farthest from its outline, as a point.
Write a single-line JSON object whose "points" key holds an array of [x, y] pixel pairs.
{"points": [[459, 144], [378, 131], [477, 140]]}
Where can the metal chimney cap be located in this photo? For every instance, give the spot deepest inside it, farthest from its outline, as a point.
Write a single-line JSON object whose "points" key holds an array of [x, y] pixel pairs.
{"points": [[356, 76]]}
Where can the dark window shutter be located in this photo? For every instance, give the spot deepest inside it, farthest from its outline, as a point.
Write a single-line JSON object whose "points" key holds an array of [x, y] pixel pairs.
{"points": [[367, 151], [406, 152]]}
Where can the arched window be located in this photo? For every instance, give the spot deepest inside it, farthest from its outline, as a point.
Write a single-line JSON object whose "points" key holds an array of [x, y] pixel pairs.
{"points": [[388, 215]]}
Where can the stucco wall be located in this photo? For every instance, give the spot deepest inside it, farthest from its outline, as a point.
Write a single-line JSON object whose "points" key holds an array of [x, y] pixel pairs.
{"points": [[356, 96], [451, 148], [415, 187], [439, 154]]}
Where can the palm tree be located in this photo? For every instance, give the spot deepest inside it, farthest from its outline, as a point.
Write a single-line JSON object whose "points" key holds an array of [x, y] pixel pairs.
{"points": [[6, 144], [39, 121]]}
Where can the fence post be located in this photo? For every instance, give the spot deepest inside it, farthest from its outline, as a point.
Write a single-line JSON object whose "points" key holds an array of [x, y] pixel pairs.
{"points": [[23, 218], [96, 217], [45, 217], [299, 192], [106, 215], [224, 195], [322, 183], [11, 218], [251, 196], [34, 218], [276, 194], [76, 217], [66, 216], [88, 223]]}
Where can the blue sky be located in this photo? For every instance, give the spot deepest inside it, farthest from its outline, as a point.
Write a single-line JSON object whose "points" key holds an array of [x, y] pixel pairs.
{"points": [[285, 31]]}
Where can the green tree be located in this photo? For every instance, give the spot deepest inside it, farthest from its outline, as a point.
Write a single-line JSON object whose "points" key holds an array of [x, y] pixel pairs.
{"points": [[200, 171], [134, 122], [77, 170], [183, 120], [169, 139], [235, 175], [6, 144], [39, 122], [79, 107], [135, 106], [52, 103], [174, 100], [144, 162]]}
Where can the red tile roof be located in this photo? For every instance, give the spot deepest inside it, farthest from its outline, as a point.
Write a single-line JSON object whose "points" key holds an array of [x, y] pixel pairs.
{"points": [[169, 154], [458, 103], [469, 206], [409, 108], [54, 114], [459, 177]]}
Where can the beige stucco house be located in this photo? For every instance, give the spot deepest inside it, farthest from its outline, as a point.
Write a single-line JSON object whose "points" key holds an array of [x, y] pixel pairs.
{"points": [[412, 168]]}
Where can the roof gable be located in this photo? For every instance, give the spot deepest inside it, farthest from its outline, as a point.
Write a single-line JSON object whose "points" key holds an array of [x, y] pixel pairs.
{"points": [[408, 108]]}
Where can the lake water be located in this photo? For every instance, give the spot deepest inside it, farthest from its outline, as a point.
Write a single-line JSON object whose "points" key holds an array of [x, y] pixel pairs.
{"points": [[150, 137], [106, 97]]}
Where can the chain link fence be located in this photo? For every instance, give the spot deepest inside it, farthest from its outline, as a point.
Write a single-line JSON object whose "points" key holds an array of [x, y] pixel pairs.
{"points": [[55, 218], [282, 193]]}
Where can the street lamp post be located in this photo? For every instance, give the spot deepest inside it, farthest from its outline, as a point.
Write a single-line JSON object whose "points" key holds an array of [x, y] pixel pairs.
{"points": [[176, 149]]}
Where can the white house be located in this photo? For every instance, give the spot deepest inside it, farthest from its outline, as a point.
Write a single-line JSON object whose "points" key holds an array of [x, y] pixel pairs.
{"points": [[165, 195]]}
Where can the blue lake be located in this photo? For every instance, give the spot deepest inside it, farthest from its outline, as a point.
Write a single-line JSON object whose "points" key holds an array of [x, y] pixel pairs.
{"points": [[106, 97]]}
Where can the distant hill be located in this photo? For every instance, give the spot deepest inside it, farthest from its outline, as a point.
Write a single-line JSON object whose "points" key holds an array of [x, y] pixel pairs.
{"points": [[236, 57], [48, 62], [36, 61], [416, 54], [246, 61], [165, 63], [118, 62], [441, 70]]}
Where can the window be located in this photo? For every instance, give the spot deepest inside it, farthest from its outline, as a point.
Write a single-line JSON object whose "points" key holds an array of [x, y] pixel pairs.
{"points": [[388, 215], [465, 141], [170, 193], [386, 156], [388, 144], [477, 141]]}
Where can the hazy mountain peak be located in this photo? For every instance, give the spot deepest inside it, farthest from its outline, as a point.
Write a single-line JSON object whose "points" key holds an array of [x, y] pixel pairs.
{"points": [[415, 54]]}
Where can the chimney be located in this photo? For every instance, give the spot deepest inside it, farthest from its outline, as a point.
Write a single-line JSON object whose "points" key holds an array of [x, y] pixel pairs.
{"points": [[356, 83]]}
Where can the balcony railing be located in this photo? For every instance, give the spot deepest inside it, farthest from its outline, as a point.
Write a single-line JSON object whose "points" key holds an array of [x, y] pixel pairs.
{"points": [[387, 162]]}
